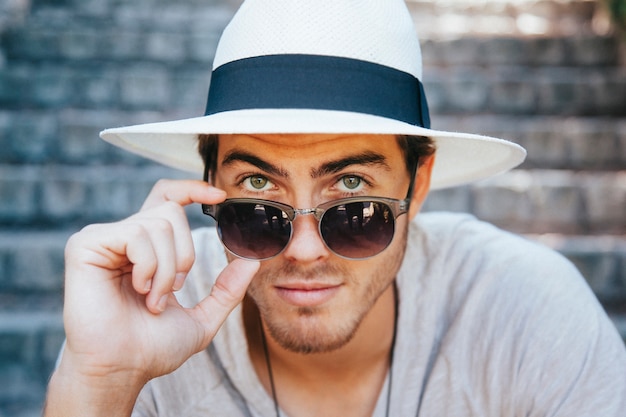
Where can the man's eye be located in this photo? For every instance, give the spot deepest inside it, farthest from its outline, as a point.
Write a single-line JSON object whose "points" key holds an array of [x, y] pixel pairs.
{"points": [[351, 182], [257, 182]]}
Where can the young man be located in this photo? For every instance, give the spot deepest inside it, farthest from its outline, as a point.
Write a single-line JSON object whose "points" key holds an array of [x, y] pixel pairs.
{"points": [[318, 151]]}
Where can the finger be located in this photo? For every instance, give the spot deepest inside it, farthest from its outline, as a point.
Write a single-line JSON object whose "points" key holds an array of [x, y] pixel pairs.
{"points": [[183, 244], [102, 259], [148, 251], [114, 249], [183, 192], [161, 238], [180, 236], [228, 291], [142, 256]]}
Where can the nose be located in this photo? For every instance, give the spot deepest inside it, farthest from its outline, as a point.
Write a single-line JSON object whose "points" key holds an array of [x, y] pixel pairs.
{"points": [[306, 244]]}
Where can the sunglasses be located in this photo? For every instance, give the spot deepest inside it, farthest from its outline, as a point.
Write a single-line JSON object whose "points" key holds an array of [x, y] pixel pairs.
{"points": [[353, 228]]}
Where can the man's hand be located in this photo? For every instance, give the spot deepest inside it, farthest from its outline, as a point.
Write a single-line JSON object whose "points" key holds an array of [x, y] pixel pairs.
{"points": [[122, 321]]}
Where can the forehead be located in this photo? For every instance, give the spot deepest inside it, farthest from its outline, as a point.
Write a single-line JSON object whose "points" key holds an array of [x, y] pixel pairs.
{"points": [[309, 146]]}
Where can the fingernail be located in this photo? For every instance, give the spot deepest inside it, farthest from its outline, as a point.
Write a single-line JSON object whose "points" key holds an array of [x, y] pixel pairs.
{"points": [[179, 281], [162, 303], [148, 286]]}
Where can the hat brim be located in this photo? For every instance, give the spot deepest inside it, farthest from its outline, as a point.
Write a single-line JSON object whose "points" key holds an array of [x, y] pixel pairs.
{"points": [[461, 157]]}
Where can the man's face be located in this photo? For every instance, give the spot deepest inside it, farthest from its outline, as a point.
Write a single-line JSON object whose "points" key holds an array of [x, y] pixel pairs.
{"points": [[311, 299]]}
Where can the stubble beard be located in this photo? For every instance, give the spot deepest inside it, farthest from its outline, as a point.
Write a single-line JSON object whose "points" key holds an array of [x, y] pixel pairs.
{"points": [[314, 330]]}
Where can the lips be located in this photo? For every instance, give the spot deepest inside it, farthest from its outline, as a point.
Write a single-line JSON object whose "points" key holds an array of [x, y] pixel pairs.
{"points": [[307, 294]]}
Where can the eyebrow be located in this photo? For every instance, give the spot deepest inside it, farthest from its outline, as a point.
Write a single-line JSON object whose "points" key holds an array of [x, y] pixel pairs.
{"points": [[365, 158], [328, 168], [238, 155]]}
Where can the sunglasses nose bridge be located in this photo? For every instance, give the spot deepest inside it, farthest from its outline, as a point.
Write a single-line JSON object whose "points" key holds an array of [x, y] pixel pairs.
{"points": [[316, 211]]}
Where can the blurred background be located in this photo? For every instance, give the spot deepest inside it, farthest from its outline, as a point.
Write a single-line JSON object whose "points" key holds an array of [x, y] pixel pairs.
{"points": [[548, 74]]}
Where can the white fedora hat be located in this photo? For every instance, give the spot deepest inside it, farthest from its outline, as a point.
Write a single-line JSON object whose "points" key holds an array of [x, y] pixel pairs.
{"points": [[323, 66]]}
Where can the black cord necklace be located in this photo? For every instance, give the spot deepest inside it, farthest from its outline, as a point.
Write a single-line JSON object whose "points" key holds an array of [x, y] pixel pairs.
{"points": [[393, 345]]}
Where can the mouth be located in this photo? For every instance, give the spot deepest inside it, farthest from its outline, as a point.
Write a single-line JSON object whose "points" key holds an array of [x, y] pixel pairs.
{"points": [[307, 294]]}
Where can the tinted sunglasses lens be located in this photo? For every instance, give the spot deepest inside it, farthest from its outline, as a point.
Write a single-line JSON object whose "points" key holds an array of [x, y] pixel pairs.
{"points": [[358, 230], [253, 231]]}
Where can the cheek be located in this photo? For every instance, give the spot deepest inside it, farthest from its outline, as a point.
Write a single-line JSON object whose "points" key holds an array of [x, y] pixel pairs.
{"points": [[394, 254], [262, 281], [255, 292]]}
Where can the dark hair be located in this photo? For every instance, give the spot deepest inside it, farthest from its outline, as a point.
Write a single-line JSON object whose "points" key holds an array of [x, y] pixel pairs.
{"points": [[207, 146], [414, 148]]}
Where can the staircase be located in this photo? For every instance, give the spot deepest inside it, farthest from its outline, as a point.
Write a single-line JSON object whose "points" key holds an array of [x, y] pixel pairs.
{"points": [[535, 72]]}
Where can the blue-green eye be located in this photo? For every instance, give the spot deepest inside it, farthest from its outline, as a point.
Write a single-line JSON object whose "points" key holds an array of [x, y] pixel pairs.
{"points": [[258, 182], [351, 182]]}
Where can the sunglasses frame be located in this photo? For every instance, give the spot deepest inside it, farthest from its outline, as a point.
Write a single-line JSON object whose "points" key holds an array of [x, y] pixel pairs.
{"points": [[397, 208]]}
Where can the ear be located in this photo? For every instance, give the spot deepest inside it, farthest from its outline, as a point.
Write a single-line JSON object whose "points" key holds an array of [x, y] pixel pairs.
{"points": [[422, 185]]}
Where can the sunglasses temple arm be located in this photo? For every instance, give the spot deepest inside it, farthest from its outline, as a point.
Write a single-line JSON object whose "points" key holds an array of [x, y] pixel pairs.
{"points": [[205, 175], [413, 173], [209, 210]]}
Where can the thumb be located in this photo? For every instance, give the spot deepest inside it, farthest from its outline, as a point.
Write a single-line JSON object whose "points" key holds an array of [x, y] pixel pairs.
{"points": [[228, 291]]}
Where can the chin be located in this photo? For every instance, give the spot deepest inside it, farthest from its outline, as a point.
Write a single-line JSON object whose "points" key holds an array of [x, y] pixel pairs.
{"points": [[312, 331]]}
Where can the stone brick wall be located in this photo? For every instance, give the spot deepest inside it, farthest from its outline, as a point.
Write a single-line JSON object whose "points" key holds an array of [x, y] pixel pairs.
{"points": [[70, 68]]}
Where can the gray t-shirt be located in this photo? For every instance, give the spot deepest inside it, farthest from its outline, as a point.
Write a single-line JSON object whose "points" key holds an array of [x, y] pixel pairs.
{"points": [[489, 324]]}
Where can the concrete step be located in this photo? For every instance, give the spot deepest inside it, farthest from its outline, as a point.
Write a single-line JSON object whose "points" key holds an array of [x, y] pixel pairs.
{"points": [[433, 19], [130, 86], [454, 18], [543, 201], [38, 196], [527, 90], [552, 142], [84, 44], [573, 51], [29, 348], [67, 38], [141, 14], [97, 6], [70, 136]]}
